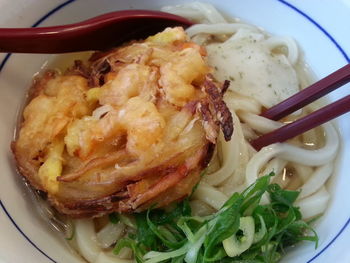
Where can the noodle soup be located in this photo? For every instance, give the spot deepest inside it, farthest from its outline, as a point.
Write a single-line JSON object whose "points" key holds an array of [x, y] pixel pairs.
{"points": [[263, 70]]}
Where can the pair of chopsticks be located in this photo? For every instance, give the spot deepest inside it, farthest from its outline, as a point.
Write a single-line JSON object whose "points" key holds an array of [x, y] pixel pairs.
{"points": [[301, 99]]}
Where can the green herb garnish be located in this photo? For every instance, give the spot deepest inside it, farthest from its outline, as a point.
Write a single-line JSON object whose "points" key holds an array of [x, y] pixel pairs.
{"points": [[113, 218], [243, 230]]}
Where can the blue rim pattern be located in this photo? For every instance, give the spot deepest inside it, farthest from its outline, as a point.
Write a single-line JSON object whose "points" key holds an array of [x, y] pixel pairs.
{"points": [[324, 31], [287, 4], [2, 64]]}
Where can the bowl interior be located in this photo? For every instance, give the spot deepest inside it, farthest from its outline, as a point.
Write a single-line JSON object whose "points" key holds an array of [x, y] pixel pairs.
{"points": [[18, 70]]}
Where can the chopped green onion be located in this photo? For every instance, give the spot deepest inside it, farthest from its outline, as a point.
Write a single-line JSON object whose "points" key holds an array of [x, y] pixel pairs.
{"points": [[235, 246], [113, 218], [242, 231], [127, 220]]}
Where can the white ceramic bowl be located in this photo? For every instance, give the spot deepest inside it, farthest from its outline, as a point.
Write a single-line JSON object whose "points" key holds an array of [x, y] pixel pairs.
{"points": [[322, 31]]}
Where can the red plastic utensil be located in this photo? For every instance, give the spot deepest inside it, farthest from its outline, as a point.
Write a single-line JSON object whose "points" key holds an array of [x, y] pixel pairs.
{"points": [[98, 33], [299, 100], [310, 94]]}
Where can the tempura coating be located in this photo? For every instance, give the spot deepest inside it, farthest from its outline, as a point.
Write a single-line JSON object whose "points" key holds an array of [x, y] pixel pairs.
{"points": [[133, 127]]}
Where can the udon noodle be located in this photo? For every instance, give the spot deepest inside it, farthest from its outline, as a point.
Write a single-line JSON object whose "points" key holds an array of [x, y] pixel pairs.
{"points": [[263, 71]]}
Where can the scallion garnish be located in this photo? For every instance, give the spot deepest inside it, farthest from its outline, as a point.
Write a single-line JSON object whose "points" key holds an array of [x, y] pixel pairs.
{"points": [[243, 230]]}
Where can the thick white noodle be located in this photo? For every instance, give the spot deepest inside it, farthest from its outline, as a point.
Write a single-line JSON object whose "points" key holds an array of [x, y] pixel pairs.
{"points": [[110, 233], [294, 154], [110, 258], [193, 15], [235, 157], [251, 150], [210, 195], [315, 204], [200, 39], [199, 208], [259, 160], [86, 239], [303, 171], [276, 165], [248, 132], [230, 186], [218, 29], [241, 165], [288, 42], [313, 157], [202, 12], [229, 151], [215, 162], [236, 102], [316, 180], [258, 123]]}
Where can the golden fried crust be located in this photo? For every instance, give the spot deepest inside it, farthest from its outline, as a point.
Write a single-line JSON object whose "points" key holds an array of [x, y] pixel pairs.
{"points": [[132, 128], [159, 186]]}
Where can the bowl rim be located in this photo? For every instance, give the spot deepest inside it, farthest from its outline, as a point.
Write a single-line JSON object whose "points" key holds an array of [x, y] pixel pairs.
{"points": [[283, 2]]}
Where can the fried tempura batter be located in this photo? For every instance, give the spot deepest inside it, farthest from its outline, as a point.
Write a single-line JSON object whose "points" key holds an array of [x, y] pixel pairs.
{"points": [[133, 128]]}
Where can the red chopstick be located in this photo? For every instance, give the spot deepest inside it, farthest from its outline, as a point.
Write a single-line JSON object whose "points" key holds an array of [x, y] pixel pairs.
{"points": [[299, 100], [310, 94]]}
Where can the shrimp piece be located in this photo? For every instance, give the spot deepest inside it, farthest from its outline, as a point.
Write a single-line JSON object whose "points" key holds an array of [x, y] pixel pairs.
{"points": [[132, 80], [178, 75], [47, 116], [169, 35], [138, 119], [144, 125], [139, 135]]}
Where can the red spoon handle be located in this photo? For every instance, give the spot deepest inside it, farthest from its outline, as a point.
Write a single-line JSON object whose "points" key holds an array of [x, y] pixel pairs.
{"points": [[99, 33]]}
